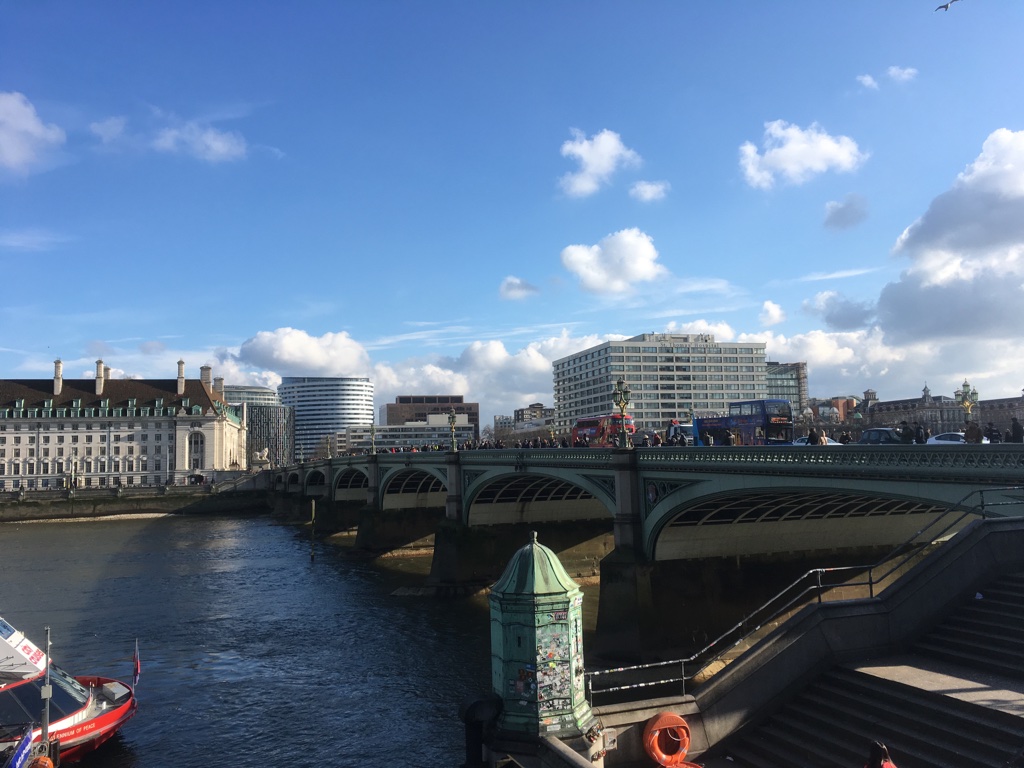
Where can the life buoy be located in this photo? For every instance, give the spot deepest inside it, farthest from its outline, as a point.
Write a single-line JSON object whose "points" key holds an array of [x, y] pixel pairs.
{"points": [[41, 762], [666, 739]]}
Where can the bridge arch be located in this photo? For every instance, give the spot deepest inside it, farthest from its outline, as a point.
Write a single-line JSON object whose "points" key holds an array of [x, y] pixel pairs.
{"points": [[413, 487], [775, 520], [535, 497], [316, 483], [350, 484]]}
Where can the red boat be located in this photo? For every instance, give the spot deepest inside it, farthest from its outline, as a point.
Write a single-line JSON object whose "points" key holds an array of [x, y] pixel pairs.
{"points": [[83, 711]]}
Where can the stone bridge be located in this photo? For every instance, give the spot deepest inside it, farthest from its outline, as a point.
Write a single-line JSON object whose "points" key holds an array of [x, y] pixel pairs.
{"points": [[672, 504]]}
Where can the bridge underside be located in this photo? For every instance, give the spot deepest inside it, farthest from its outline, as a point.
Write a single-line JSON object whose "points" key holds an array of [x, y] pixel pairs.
{"points": [[533, 499], [774, 523]]}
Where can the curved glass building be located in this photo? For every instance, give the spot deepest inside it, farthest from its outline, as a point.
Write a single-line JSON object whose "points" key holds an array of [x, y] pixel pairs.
{"points": [[271, 425], [325, 406]]}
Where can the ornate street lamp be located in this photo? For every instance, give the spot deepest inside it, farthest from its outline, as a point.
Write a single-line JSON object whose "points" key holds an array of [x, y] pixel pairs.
{"points": [[451, 425], [967, 397], [620, 396]]}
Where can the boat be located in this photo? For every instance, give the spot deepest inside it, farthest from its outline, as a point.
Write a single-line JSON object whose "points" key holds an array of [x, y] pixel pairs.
{"points": [[81, 713], [25, 753]]}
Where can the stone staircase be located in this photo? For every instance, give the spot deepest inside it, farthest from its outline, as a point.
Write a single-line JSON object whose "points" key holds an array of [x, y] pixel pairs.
{"points": [[956, 700]]}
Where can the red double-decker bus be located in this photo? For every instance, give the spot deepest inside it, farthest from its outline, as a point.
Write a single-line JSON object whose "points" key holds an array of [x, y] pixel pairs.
{"points": [[601, 431]]}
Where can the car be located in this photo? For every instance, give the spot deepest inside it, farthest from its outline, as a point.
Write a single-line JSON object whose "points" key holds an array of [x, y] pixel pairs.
{"points": [[950, 438], [880, 436], [803, 441]]}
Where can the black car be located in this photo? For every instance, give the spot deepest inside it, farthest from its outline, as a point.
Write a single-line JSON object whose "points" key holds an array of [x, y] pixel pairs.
{"points": [[880, 436]]}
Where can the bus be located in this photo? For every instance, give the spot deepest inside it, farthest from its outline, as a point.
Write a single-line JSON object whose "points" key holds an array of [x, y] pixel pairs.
{"points": [[750, 422], [601, 431]]}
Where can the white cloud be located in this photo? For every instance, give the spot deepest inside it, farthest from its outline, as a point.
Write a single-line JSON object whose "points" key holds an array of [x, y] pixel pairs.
{"points": [[839, 312], [901, 74], [797, 154], [293, 352], [599, 157], [648, 191], [25, 140], [30, 240], [110, 130], [771, 314], [868, 82], [616, 263], [515, 288], [846, 214], [202, 141]]}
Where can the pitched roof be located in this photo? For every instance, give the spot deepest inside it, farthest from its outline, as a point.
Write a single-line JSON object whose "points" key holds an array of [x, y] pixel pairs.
{"points": [[117, 391]]}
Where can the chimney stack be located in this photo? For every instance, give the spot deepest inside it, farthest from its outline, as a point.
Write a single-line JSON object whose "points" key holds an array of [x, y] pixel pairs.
{"points": [[58, 376], [99, 377], [106, 373], [218, 386], [205, 376], [181, 377]]}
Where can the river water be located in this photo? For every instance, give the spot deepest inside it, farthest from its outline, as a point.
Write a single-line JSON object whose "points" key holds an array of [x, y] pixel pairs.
{"points": [[251, 653]]}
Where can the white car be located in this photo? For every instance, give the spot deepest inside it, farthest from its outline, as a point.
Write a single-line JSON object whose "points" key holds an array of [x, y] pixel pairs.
{"points": [[950, 438], [803, 441]]}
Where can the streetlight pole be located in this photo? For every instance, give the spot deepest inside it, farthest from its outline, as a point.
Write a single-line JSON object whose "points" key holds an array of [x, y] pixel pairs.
{"points": [[451, 426], [620, 396], [373, 439], [967, 397]]}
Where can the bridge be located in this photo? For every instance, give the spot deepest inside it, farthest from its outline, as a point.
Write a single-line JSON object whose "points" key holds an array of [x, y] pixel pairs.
{"points": [[663, 514]]}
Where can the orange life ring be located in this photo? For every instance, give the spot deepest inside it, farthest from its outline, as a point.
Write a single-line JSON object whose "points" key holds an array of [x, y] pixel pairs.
{"points": [[666, 739], [41, 762]]}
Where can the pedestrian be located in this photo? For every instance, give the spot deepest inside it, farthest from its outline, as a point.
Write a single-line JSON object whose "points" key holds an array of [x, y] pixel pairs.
{"points": [[1016, 431], [906, 433], [993, 434], [813, 437], [878, 756], [845, 438], [973, 434], [919, 436]]}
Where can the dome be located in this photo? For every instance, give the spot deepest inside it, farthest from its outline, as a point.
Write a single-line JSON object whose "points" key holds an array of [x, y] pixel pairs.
{"points": [[534, 570]]}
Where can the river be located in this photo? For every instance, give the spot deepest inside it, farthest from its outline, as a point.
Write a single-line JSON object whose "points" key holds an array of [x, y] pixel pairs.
{"points": [[252, 654]]}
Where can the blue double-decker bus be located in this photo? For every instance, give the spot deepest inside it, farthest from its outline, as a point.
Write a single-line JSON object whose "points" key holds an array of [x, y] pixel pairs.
{"points": [[750, 422]]}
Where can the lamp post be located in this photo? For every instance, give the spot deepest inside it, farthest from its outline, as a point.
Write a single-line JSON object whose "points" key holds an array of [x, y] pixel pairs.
{"points": [[451, 426], [620, 396], [373, 438], [967, 397]]}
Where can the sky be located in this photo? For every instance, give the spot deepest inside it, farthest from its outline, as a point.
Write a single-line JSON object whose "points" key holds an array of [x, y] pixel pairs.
{"points": [[448, 196]]}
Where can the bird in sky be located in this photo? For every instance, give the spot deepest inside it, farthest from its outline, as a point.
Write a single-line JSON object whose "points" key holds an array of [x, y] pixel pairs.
{"points": [[945, 6]]}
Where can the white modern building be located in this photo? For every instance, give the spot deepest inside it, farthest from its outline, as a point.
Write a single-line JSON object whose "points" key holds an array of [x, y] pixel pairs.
{"points": [[101, 432], [324, 407], [670, 376], [435, 432], [271, 425]]}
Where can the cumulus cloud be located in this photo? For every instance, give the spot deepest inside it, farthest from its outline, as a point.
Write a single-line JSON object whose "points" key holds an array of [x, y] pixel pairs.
{"points": [[839, 312], [25, 140], [797, 154], [515, 288], [648, 191], [966, 254], [201, 141], [868, 82], [110, 130], [771, 314], [616, 263], [293, 352], [901, 74], [599, 157], [850, 212]]}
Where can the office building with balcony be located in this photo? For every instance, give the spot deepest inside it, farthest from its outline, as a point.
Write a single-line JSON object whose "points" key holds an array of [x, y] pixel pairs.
{"points": [[103, 433], [324, 407], [788, 381], [271, 425], [670, 376]]}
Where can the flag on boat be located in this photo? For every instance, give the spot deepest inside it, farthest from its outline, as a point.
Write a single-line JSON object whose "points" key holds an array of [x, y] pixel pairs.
{"points": [[136, 665]]}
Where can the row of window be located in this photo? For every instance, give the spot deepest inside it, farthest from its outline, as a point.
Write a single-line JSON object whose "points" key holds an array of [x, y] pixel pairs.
{"points": [[88, 482], [45, 439], [91, 413], [87, 467]]}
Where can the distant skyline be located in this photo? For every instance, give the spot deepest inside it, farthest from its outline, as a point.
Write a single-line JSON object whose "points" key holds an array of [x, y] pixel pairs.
{"points": [[446, 197]]}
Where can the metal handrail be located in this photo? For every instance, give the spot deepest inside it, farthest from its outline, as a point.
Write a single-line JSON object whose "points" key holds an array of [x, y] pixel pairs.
{"points": [[750, 624]]}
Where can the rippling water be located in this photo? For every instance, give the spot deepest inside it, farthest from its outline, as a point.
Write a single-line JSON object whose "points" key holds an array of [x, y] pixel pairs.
{"points": [[250, 652]]}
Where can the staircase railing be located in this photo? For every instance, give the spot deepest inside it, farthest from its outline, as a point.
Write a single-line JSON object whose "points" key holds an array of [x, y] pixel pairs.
{"points": [[814, 585]]}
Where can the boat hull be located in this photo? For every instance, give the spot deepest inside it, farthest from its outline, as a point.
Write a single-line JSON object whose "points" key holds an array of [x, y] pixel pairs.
{"points": [[78, 740]]}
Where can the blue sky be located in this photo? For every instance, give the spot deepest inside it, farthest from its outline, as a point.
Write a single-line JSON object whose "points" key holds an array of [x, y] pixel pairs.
{"points": [[447, 196]]}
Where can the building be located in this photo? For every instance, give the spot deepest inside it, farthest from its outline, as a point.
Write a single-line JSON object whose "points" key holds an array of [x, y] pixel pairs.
{"points": [[940, 413], [504, 424], [434, 432], [670, 376], [101, 432], [324, 406], [534, 416], [270, 424], [408, 408], [788, 381]]}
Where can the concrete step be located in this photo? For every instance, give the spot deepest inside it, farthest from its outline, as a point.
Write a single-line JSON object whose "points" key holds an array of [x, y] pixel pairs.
{"points": [[970, 658]]}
